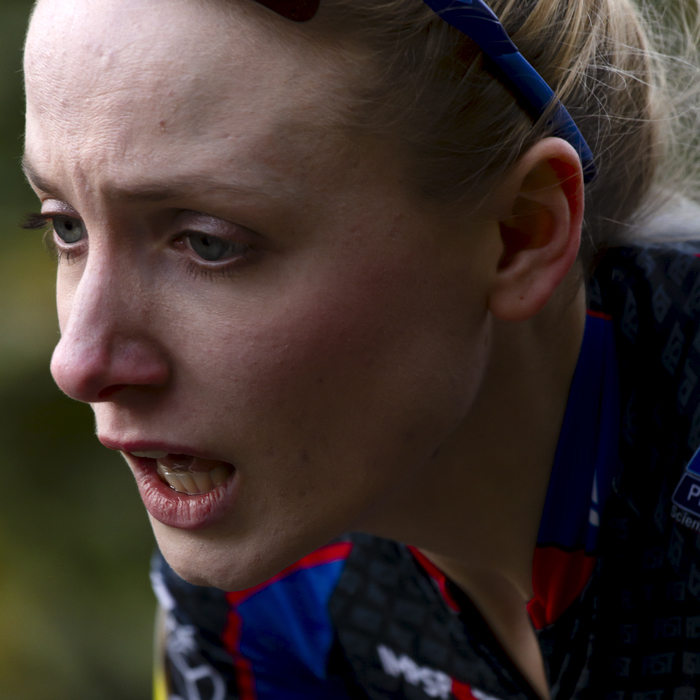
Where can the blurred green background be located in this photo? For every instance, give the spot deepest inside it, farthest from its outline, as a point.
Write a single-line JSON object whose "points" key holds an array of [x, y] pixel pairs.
{"points": [[76, 610]]}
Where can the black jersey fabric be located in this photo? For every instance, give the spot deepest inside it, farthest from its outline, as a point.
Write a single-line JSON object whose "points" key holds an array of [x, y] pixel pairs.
{"points": [[616, 572]]}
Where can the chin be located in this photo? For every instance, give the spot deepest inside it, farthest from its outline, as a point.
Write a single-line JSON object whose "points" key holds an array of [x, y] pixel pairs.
{"points": [[222, 580], [230, 566], [230, 572]]}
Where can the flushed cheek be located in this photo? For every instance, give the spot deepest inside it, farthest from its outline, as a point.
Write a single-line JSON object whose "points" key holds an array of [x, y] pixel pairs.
{"points": [[327, 407], [351, 363]]}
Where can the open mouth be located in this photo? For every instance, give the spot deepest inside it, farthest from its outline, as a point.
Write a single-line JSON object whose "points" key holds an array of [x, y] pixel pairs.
{"points": [[187, 474]]}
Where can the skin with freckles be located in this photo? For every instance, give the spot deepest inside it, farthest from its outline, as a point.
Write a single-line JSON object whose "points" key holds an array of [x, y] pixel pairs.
{"points": [[363, 360]]}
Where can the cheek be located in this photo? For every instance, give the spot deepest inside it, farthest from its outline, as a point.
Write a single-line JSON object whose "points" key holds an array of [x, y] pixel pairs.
{"points": [[325, 394], [306, 337], [385, 356], [326, 400], [65, 292]]}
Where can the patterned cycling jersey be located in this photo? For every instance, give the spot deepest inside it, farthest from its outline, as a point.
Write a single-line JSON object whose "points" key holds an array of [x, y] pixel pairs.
{"points": [[616, 570]]}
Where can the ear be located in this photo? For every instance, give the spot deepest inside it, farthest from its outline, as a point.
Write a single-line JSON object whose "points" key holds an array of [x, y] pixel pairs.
{"points": [[540, 218]]}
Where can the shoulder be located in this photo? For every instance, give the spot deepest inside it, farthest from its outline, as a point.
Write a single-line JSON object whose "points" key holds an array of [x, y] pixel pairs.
{"points": [[652, 295]]}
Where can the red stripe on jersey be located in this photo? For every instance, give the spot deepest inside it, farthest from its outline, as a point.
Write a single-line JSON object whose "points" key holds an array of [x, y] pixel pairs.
{"points": [[461, 691], [558, 577], [599, 314], [242, 668], [436, 575]]}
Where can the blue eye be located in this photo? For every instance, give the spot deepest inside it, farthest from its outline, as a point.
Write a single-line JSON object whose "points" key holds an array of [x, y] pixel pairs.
{"points": [[212, 248], [68, 229]]}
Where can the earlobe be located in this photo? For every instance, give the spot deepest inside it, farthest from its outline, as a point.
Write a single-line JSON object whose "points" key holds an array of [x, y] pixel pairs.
{"points": [[540, 229]]}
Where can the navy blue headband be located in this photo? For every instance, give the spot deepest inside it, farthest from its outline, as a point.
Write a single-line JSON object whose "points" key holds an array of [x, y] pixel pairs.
{"points": [[476, 19]]}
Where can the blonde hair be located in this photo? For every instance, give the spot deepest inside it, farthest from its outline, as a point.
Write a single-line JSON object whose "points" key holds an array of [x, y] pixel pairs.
{"points": [[620, 70]]}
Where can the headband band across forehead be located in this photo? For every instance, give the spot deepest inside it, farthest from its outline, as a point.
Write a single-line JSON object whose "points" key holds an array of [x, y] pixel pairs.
{"points": [[475, 19]]}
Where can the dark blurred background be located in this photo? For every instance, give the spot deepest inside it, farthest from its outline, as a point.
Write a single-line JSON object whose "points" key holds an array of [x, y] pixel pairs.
{"points": [[76, 611]]}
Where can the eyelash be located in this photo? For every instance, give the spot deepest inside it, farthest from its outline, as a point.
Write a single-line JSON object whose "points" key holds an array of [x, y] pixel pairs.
{"points": [[36, 221], [212, 274], [228, 269]]}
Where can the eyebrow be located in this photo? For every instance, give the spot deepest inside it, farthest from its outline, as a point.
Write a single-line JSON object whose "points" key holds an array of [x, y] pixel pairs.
{"points": [[35, 179], [156, 191]]}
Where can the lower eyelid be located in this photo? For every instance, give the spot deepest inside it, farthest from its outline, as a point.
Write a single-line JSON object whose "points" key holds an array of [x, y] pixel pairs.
{"points": [[67, 250], [229, 269]]}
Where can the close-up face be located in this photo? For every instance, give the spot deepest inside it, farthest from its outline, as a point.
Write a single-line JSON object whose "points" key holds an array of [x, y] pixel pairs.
{"points": [[243, 288]]}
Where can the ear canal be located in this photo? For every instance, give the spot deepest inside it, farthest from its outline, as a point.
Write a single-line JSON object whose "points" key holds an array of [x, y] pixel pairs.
{"points": [[296, 10]]}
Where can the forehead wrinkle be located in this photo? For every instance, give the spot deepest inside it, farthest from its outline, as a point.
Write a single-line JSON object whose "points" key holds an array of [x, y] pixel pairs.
{"points": [[36, 180], [137, 122], [111, 57], [176, 188], [157, 190], [76, 102]]}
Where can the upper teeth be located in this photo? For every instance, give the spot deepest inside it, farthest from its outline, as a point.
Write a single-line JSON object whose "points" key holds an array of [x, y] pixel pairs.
{"points": [[152, 454], [188, 474], [192, 482]]}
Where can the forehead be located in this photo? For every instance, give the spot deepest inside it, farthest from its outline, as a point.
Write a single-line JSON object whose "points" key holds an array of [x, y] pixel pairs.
{"points": [[181, 84]]}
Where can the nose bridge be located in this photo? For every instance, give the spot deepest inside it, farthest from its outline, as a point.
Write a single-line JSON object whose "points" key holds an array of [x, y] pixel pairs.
{"points": [[99, 314], [107, 340]]}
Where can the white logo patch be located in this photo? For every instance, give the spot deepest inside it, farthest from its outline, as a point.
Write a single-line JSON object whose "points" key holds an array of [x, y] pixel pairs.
{"points": [[435, 684]]}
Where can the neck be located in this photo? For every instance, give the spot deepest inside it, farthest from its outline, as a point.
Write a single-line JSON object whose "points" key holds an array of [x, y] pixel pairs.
{"points": [[476, 506]]}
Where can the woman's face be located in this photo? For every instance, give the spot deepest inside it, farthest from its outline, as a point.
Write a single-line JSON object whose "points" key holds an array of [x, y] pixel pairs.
{"points": [[240, 280]]}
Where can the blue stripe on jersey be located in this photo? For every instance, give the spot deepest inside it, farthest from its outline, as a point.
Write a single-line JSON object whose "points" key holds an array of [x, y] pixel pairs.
{"points": [[586, 456], [287, 635]]}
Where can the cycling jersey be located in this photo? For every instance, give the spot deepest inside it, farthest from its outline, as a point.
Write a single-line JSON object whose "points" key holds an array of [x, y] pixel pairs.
{"points": [[616, 570]]}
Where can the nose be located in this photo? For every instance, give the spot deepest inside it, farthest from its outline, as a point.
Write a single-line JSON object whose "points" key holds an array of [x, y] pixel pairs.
{"points": [[107, 338]]}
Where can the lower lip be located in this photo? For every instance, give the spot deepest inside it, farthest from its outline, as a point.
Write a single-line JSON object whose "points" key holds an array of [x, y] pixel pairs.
{"points": [[181, 510]]}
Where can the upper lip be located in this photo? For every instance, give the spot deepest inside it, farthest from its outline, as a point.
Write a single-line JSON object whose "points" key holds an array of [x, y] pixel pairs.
{"points": [[155, 446]]}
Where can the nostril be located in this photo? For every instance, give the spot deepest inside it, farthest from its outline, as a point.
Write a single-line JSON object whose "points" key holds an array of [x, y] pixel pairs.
{"points": [[108, 391]]}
